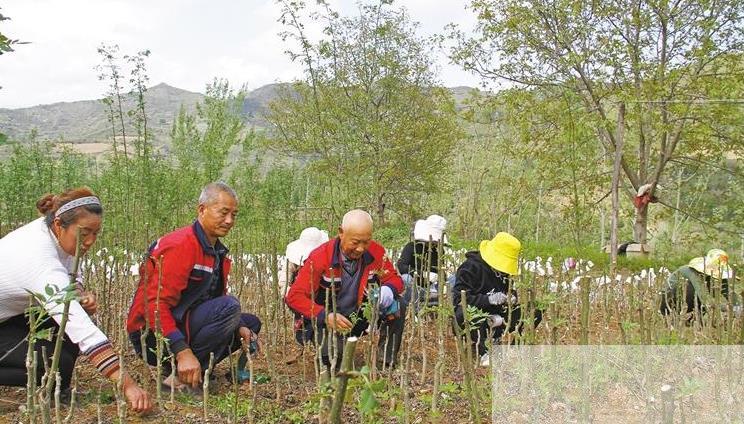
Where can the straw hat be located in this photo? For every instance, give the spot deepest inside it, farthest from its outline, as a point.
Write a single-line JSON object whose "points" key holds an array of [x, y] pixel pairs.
{"points": [[502, 253], [715, 264], [310, 238]]}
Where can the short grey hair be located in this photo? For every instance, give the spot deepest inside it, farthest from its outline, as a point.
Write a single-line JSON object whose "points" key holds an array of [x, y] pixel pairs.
{"points": [[210, 192], [356, 216]]}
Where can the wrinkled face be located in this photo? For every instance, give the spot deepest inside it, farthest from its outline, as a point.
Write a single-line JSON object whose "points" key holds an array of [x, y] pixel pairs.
{"points": [[218, 217], [89, 224], [355, 240]]}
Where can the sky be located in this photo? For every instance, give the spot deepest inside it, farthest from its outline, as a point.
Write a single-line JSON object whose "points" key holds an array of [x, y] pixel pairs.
{"points": [[191, 42]]}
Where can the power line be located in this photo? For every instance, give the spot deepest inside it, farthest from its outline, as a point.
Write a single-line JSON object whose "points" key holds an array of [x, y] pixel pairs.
{"points": [[700, 220], [693, 102]]}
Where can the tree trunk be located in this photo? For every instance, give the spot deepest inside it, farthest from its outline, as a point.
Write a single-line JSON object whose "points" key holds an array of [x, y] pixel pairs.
{"points": [[615, 187], [381, 209], [677, 217], [640, 224]]}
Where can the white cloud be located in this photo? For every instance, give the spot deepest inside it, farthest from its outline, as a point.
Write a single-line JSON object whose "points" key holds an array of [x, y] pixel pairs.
{"points": [[192, 41]]}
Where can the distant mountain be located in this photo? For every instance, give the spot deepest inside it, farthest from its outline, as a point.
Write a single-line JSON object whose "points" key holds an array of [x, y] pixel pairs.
{"points": [[86, 121], [462, 93], [257, 102]]}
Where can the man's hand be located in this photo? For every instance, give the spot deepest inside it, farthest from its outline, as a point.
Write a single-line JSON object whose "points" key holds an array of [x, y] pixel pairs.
{"points": [[247, 335], [386, 297], [88, 302], [338, 322], [189, 369]]}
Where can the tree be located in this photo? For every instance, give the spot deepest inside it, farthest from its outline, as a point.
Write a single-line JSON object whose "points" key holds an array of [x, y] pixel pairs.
{"points": [[203, 153], [110, 70], [6, 43], [138, 80], [665, 60], [369, 115]]}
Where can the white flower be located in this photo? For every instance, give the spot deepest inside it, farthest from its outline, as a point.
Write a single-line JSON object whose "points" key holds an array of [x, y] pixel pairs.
{"points": [[530, 266], [602, 280], [575, 287]]}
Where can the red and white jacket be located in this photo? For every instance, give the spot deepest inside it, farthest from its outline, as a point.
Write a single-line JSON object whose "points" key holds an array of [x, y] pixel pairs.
{"points": [[320, 276], [187, 262]]}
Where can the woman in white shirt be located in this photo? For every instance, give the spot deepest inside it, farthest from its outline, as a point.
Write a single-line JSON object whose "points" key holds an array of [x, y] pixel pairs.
{"points": [[41, 254]]}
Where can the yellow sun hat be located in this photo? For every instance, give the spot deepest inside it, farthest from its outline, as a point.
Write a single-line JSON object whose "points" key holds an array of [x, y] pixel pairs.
{"points": [[715, 264], [502, 253]]}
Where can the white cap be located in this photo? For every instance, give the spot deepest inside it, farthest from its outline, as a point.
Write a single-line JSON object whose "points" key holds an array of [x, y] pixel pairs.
{"points": [[310, 238], [431, 228]]}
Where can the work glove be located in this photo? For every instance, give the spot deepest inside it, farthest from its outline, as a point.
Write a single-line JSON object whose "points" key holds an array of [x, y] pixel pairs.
{"points": [[499, 298], [392, 312], [386, 297], [495, 321]]}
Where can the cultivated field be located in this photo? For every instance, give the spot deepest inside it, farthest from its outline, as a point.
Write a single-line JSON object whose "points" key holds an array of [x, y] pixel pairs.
{"points": [[602, 353]]}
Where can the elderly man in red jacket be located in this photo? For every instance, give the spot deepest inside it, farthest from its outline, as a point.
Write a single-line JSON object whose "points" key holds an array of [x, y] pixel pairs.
{"points": [[182, 293], [335, 281]]}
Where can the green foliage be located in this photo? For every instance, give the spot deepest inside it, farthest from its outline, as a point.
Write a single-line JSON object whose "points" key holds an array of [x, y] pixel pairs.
{"points": [[34, 169], [139, 81], [669, 259], [6, 43], [475, 317], [225, 405], [38, 313], [369, 115], [609, 53], [393, 236], [221, 112], [370, 393], [203, 153]]}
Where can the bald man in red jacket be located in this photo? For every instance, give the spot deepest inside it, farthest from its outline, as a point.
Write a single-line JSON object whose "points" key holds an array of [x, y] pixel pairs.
{"points": [[335, 281]]}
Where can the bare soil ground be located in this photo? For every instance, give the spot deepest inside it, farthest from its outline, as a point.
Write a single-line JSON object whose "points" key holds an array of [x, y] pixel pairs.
{"points": [[524, 394]]}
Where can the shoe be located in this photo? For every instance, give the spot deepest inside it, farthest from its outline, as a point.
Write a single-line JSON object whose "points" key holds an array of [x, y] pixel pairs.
{"points": [[242, 376], [65, 396], [485, 360]]}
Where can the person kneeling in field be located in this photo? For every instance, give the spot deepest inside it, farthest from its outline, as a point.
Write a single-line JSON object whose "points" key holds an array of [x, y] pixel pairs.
{"points": [[183, 281], [337, 279], [38, 256], [694, 287], [485, 276], [297, 251], [419, 265]]}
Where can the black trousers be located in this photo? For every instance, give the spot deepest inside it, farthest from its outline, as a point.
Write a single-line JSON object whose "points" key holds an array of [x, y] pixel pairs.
{"points": [[14, 344], [480, 334], [388, 345], [212, 326]]}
